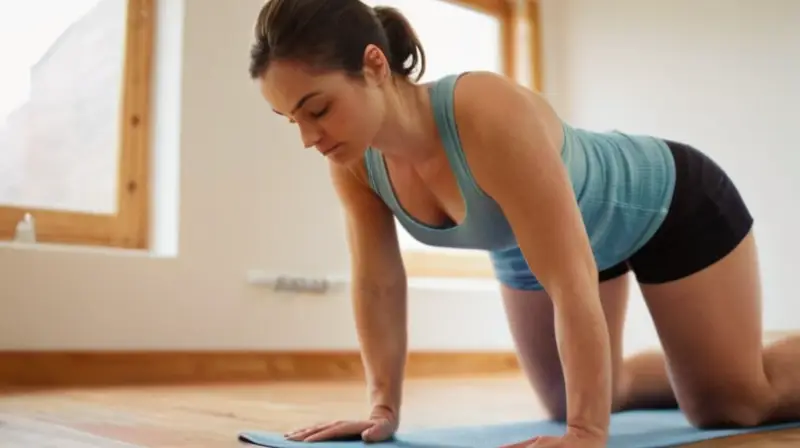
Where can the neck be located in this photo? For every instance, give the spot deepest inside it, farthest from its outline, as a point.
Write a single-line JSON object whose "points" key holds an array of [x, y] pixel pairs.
{"points": [[409, 128]]}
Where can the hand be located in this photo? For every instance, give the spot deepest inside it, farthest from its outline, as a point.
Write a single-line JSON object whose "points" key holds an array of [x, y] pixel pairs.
{"points": [[379, 427], [573, 438]]}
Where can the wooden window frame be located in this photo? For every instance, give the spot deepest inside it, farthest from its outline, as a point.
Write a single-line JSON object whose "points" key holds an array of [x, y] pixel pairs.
{"points": [[507, 12], [534, 23], [473, 264], [129, 226]]}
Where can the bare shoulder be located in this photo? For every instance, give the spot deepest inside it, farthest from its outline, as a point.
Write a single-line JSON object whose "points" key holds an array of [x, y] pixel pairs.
{"points": [[510, 137], [489, 106]]}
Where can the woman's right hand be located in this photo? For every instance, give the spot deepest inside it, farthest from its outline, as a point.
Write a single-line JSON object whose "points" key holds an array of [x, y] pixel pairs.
{"points": [[378, 428]]}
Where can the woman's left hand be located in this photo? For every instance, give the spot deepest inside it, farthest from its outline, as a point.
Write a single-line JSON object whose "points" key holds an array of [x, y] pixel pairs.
{"points": [[569, 440]]}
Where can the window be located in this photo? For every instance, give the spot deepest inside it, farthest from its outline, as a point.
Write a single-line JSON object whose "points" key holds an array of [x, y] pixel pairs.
{"points": [[74, 119], [458, 35]]}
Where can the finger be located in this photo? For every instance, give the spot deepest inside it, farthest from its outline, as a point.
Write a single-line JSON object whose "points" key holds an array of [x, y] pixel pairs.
{"points": [[308, 428], [518, 445], [302, 433], [299, 434], [348, 429], [544, 442], [524, 444]]}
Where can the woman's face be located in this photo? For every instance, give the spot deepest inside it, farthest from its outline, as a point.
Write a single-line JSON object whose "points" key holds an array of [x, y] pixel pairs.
{"points": [[337, 115]]}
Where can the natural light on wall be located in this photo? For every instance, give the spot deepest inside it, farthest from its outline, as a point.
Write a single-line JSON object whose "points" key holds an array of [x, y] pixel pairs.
{"points": [[471, 40]]}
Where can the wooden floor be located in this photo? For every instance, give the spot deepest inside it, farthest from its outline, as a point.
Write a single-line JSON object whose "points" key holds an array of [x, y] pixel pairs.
{"points": [[211, 416]]}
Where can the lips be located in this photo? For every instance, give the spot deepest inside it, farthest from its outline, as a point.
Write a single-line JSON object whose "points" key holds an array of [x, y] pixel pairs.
{"points": [[327, 151]]}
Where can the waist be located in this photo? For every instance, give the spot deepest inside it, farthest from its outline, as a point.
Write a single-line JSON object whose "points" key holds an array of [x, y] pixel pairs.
{"points": [[623, 185]]}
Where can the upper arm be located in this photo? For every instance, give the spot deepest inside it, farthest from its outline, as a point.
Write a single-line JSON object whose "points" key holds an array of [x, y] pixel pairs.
{"points": [[371, 232], [513, 147]]}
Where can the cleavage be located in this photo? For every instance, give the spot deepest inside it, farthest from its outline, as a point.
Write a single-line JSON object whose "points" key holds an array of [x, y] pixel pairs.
{"points": [[428, 193]]}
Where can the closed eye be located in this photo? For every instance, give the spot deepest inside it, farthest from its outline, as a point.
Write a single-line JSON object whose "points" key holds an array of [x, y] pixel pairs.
{"points": [[320, 113]]}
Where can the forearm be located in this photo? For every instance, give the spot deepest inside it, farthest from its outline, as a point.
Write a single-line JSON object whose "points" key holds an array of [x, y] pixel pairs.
{"points": [[584, 347], [380, 313]]}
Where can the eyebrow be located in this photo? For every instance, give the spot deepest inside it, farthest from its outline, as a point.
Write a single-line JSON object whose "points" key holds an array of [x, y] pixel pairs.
{"points": [[302, 101]]}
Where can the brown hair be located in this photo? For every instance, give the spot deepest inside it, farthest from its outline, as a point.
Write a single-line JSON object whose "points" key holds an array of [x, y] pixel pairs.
{"points": [[332, 35]]}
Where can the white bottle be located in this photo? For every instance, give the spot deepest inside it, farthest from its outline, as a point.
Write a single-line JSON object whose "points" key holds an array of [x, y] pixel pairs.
{"points": [[26, 230]]}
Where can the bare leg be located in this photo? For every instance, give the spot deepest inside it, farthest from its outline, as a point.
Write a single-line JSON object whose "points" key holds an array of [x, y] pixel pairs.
{"points": [[782, 367], [710, 327], [646, 384]]}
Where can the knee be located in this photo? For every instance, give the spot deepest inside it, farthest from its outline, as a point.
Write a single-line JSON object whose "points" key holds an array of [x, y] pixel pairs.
{"points": [[716, 410]]}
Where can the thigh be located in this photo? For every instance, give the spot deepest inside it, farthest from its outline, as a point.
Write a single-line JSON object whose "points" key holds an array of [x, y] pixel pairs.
{"points": [[700, 279], [530, 316], [709, 324]]}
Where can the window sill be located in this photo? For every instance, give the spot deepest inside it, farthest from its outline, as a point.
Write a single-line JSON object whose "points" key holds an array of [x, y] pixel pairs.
{"points": [[80, 249]]}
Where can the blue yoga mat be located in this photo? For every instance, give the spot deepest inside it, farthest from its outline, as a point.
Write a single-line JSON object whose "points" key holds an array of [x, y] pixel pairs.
{"points": [[632, 429]]}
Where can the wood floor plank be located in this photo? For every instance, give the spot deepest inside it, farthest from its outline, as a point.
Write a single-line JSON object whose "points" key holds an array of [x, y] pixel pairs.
{"points": [[211, 416], [31, 432]]}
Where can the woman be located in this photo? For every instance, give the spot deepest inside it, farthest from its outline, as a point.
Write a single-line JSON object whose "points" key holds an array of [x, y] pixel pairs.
{"points": [[475, 161]]}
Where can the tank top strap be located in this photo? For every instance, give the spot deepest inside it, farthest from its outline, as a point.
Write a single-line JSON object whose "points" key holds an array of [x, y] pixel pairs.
{"points": [[442, 94], [443, 104], [378, 177]]}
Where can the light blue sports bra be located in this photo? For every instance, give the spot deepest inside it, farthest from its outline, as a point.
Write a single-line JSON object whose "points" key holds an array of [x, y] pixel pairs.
{"points": [[623, 185]]}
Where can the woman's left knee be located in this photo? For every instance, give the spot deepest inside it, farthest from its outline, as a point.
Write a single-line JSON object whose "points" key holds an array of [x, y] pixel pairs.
{"points": [[733, 409]]}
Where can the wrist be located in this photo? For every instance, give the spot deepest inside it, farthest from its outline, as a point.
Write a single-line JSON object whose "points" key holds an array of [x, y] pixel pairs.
{"points": [[380, 411], [591, 424], [385, 398], [597, 434]]}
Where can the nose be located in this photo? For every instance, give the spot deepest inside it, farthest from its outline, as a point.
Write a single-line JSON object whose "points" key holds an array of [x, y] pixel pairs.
{"points": [[310, 135]]}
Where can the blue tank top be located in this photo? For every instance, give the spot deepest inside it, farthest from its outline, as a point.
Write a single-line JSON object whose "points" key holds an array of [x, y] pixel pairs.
{"points": [[623, 185]]}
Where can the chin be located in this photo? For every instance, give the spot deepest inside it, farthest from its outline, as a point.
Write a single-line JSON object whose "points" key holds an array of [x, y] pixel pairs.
{"points": [[345, 156]]}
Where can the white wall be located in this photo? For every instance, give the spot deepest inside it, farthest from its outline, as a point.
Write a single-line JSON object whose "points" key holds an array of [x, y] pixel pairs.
{"points": [[242, 170], [714, 73]]}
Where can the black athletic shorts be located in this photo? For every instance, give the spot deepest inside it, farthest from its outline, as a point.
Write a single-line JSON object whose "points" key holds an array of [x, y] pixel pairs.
{"points": [[707, 219]]}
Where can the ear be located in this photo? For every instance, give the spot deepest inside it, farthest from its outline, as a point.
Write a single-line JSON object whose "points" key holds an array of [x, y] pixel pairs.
{"points": [[376, 66]]}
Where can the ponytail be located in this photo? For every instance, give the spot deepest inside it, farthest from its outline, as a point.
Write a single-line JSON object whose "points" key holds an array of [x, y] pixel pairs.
{"points": [[406, 54]]}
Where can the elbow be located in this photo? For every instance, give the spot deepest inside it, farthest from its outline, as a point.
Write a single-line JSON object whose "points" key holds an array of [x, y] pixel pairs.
{"points": [[578, 281]]}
